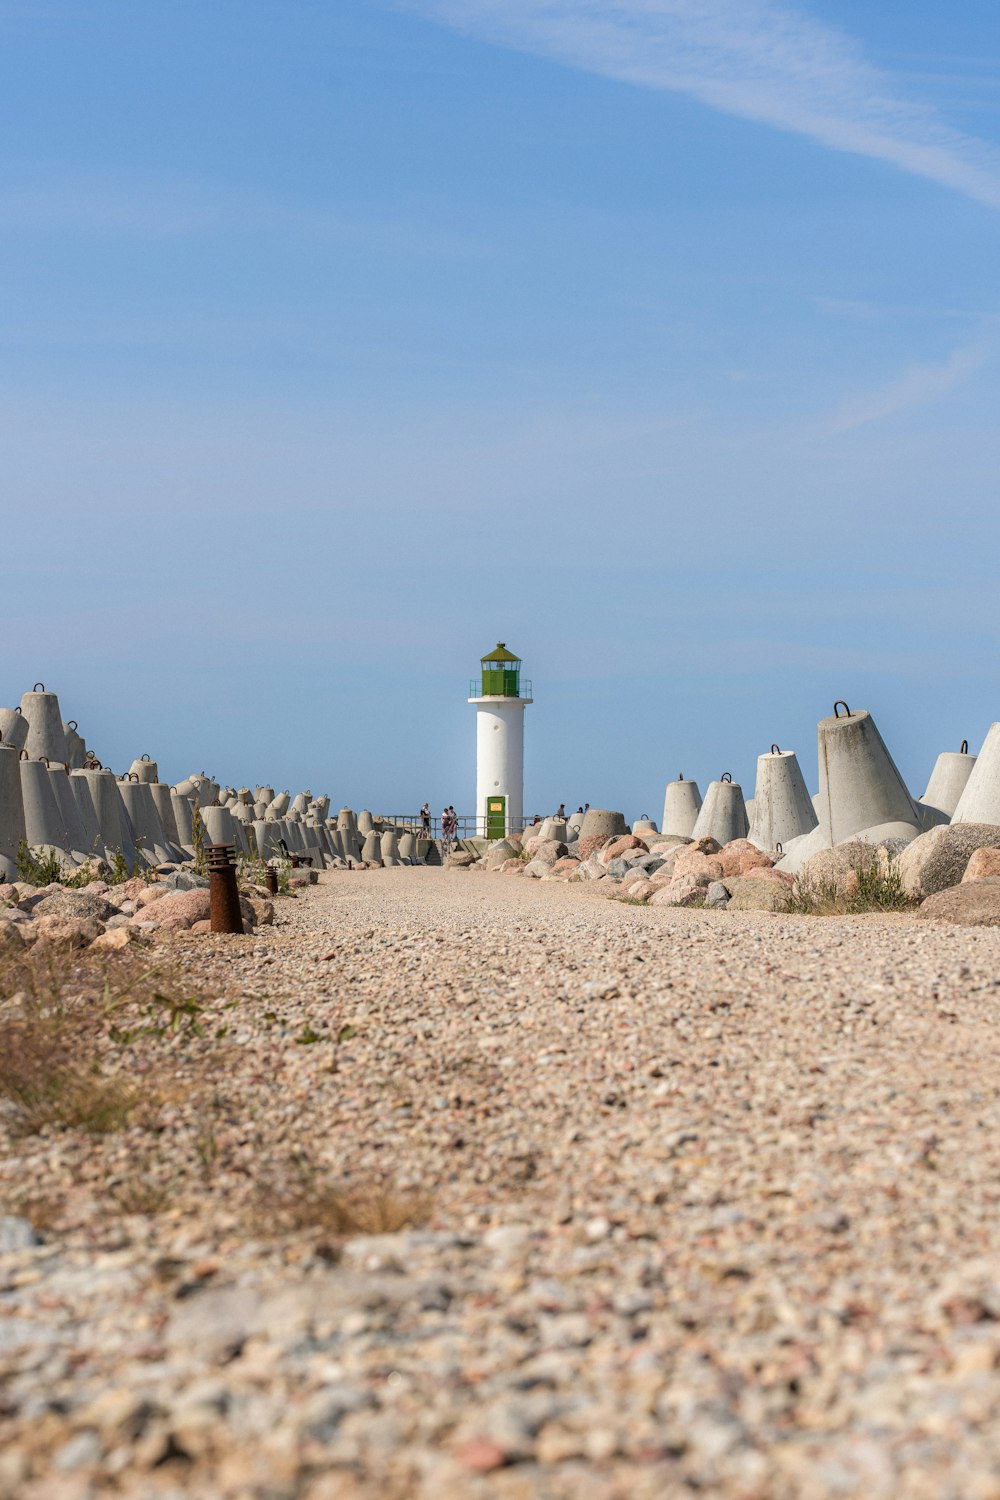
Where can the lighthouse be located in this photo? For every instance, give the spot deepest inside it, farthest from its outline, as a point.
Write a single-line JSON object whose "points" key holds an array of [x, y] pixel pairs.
{"points": [[500, 706]]}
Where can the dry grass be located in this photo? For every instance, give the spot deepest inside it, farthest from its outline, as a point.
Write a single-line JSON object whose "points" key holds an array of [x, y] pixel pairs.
{"points": [[871, 887], [48, 1078], [59, 1065], [300, 1195]]}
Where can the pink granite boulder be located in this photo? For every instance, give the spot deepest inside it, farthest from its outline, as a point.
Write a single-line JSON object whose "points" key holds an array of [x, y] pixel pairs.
{"points": [[983, 865]]}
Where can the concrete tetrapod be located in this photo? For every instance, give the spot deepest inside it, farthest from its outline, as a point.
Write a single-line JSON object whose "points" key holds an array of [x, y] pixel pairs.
{"points": [[268, 836], [371, 853], [150, 835], [280, 804], [553, 828], [78, 840], [859, 785], [164, 803], [44, 826], [949, 779], [80, 788], [783, 809], [145, 769], [860, 789], [222, 828], [346, 819], [76, 746], [46, 736], [980, 800], [408, 849], [389, 850], [112, 817], [365, 822], [723, 814], [13, 728], [681, 806], [264, 794], [597, 821], [12, 829], [183, 808]]}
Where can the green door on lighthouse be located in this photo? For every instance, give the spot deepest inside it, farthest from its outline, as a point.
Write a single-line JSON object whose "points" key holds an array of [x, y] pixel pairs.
{"points": [[496, 817]]}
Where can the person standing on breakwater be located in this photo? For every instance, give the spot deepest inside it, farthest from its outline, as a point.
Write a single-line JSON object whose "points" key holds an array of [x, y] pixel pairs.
{"points": [[425, 819]]}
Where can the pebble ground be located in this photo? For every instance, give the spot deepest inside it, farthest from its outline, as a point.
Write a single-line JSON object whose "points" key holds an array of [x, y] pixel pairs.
{"points": [[706, 1203]]}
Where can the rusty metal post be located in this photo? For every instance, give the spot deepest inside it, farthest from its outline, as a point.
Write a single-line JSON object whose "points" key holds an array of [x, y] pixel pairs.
{"points": [[223, 891], [271, 880]]}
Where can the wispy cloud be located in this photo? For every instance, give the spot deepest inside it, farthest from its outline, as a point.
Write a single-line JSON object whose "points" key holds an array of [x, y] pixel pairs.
{"points": [[762, 61], [916, 386]]}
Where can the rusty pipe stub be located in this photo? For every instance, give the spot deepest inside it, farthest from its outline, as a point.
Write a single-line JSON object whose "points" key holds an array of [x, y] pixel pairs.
{"points": [[223, 891], [271, 880]]}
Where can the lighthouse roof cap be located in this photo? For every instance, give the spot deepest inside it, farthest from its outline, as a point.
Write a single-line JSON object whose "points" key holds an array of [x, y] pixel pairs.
{"points": [[500, 653]]}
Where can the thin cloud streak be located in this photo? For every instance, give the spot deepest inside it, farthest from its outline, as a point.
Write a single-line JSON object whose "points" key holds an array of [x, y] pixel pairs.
{"points": [[916, 386], [751, 58]]}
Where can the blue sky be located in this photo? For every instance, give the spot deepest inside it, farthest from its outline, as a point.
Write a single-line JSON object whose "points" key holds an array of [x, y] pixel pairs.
{"points": [[339, 338]]}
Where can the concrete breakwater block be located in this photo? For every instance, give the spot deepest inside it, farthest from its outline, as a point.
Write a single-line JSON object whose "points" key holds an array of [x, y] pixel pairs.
{"points": [[782, 807], [146, 826], [980, 798], [43, 818], [723, 814], [112, 816], [13, 728], [144, 769], [389, 850], [601, 821], [75, 839], [681, 806], [948, 780], [12, 829], [46, 736]]}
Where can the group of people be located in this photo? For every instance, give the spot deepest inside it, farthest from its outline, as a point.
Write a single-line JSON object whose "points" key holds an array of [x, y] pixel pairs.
{"points": [[449, 822]]}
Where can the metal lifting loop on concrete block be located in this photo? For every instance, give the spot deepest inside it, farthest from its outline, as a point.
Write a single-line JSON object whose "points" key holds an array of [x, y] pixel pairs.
{"points": [[25, 755], [73, 725], [727, 776], [39, 687], [841, 704], [45, 758], [775, 749], [964, 748], [778, 849]]}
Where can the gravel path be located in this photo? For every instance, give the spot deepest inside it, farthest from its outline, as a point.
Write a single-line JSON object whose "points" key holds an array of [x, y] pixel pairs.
{"points": [[708, 1205]]}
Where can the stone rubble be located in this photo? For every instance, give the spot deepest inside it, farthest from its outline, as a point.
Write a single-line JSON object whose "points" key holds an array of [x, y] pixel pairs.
{"points": [[711, 1207]]}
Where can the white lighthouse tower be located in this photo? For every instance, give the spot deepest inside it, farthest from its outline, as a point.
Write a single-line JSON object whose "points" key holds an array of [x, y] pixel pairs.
{"points": [[500, 743]]}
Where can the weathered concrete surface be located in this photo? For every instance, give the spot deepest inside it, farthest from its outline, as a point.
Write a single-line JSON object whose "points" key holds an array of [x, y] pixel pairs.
{"points": [[783, 809], [681, 806], [980, 800]]}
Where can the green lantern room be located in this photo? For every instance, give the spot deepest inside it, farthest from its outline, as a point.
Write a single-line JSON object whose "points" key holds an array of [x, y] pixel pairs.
{"points": [[501, 673]]}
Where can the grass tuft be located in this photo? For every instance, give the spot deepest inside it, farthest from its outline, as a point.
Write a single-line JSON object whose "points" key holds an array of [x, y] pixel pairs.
{"points": [[302, 1196], [871, 886]]}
